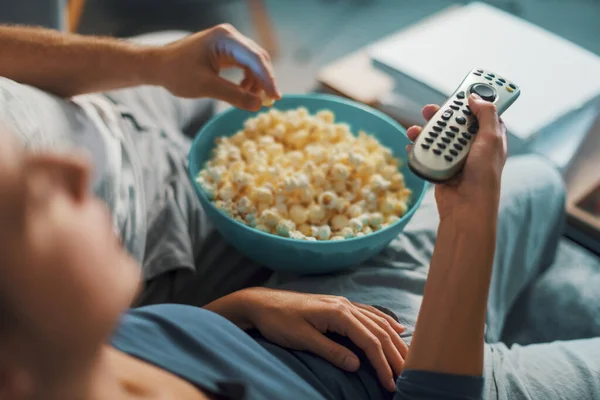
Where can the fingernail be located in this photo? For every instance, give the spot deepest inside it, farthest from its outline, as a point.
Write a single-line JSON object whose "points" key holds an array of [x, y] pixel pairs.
{"points": [[475, 96], [351, 363]]}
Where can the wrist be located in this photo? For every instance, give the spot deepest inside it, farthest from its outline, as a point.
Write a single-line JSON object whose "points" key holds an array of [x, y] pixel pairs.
{"points": [[235, 307], [152, 61]]}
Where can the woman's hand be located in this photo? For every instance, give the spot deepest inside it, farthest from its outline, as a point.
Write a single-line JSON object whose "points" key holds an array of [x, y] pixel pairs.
{"points": [[479, 183], [299, 321], [190, 67]]}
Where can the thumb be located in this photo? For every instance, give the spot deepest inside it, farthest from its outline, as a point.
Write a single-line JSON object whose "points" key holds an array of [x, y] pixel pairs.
{"points": [[486, 113], [225, 90], [338, 355]]}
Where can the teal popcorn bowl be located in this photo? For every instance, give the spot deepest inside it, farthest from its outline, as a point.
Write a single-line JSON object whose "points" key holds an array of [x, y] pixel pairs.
{"points": [[301, 256]]}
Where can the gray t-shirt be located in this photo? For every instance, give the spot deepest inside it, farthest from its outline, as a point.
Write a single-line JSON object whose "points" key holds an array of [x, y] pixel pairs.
{"points": [[87, 124]]}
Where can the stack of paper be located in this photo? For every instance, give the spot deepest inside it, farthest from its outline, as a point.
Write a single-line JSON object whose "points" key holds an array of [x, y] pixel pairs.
{"points": [[430, 59]]}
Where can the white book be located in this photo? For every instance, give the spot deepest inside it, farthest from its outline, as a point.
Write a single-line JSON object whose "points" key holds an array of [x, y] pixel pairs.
{"points": [[430, 59]]}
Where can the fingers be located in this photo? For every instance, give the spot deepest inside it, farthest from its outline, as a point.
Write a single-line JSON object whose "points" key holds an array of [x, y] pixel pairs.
{"points": [[223, 89], [394, 335], [397, 326], [315, 342], [486, 114], [250, 55], [347, 324], [429, 111], [413, 132]]}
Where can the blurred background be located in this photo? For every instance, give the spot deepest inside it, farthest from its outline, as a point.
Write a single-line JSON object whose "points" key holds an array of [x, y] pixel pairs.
{"points": [[398, 55]]}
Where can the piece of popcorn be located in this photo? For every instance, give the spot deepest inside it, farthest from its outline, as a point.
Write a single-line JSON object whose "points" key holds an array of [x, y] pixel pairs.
{"points": [[390, 219], [356, 159], [387, 205], [339, 186], [367, 230], [270, 218], [266, 100], [263, 228], [297, 235], [378, 183], [356, 224], [340, 172], [244, 205], [323, 232], [316, 214], [326, 116], [339, 222], [337, 238], [328, 199], [306, 229], [278, 132], [347, 232], [397, 181], [284, 227], [375, 220], [400, 207], [360, 234], [250, 218], [298, 214], [310, 238], [227, 192], [355, 210], [263, 195]]}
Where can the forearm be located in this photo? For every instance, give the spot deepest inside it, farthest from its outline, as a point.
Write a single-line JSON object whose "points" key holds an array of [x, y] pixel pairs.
{"points": [[68, 64], [233, 307], [449, 334]]}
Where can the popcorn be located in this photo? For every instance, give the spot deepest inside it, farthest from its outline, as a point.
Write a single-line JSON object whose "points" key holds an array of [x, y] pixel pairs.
{"points": [[266, 100], [298, 214], [323, 232], [339, 222], [305, 177]]}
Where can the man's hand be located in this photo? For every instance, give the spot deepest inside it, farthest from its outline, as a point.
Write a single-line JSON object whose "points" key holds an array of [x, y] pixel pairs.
{"points": [[190, 67], [299, 321], [479, 182]]}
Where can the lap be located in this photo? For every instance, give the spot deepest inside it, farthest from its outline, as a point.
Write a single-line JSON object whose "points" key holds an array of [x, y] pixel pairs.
{"points": [[559, 370]]}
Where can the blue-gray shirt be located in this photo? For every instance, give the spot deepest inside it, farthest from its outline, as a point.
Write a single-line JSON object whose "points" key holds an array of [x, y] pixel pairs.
{"points": [[213, 354]]}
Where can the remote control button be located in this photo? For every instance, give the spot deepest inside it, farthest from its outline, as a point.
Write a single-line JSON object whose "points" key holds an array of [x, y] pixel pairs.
{"points": [[491, 75], [437, 128], [453, 152], [458, 103], [468, 108], [460, 95], [484, 91], [499, 83], [446, 140], [441, 123], [455, 108], [509, 89], [450, 134], [429, 140], [437, 152], [473, 128], [433, 134], [468, 112], [502, 80], [458, 146], [448, 158], [447, 115], [441, 145], [461, 120], [477, 73], [425, 146], [454, 128], [462, 141], [480, 71], [466, 135], [513, 86], [489, 78]]}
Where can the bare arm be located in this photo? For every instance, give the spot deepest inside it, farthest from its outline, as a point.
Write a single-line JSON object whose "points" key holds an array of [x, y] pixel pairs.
{"points": [[449, 335], [68, 64]]}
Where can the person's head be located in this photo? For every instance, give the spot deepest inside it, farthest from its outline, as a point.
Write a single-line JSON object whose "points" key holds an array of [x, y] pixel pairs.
{"points": [[64, 277]]}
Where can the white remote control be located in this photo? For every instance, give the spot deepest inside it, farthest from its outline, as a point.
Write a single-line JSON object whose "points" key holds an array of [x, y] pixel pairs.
{"points": [[442, 147]]}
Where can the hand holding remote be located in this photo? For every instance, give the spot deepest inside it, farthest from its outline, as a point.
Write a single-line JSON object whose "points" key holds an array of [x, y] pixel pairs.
{"points": [[478, 186]]}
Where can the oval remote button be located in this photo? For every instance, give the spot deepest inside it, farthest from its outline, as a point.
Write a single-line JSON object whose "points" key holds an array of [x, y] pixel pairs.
{"points": [[453, 152], [448, 158], [425, 146], [447, 114], [461, 95], [441, 145], [437, 128], [466, 135], [450, 134], [437, 152], [454, 128], [486, 92], [433, 134], [441, 123], [461, 120]]}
